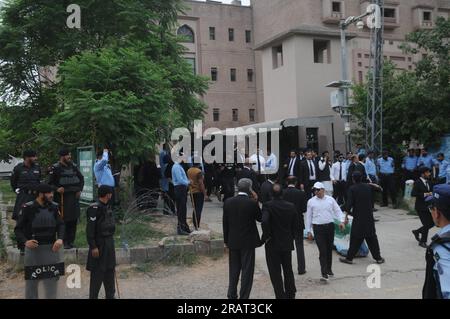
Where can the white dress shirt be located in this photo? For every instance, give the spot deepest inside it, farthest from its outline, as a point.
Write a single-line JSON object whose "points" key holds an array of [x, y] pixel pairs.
{"points": [[334, 172], [254, 161], [322, 211], [272, 163], [292, 165]]}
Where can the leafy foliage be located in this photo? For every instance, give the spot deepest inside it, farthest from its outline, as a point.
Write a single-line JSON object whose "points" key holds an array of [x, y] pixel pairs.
{"points": [[416, 103]]}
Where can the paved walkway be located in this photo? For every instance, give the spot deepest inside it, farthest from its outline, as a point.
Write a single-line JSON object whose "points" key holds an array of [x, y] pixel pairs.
{"points": [[401, 276]]}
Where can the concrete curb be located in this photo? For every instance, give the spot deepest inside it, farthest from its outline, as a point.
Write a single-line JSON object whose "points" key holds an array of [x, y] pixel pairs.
{"points": [[136, 255]]}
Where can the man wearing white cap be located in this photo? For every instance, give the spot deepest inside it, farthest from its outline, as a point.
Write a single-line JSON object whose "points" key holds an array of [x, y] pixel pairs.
{"points": [[322, 211]]}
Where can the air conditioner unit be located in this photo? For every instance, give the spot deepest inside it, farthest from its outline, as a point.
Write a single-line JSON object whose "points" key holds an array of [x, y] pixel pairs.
{"points": [[337, 99]]}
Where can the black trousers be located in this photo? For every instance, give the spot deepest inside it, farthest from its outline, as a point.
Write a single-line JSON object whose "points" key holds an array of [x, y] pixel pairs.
{"points": [[339, 191], [99, 277], [324, 236], [279, 262], [308, 188], [300, 253], [427, 224], [356, 242], [71, 231], [181, 200], [388, 183], [227, 188], [241, 262], [169, 203], [199, 200]]}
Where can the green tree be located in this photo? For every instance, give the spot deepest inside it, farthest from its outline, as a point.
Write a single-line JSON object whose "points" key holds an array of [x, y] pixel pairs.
{"points": [[417, 103], [125, 63]]}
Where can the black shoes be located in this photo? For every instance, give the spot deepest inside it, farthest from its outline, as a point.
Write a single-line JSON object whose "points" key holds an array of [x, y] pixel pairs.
{"points": [[302, 272], [380, 261], [416, 235], [324, 278], [330, 274], [345, 261]]}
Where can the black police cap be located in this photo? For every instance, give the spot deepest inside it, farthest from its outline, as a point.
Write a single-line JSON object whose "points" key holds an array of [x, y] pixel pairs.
{"points": [[29, 153], [424, 169], [63, 152], [104, 190], [43, 188]]}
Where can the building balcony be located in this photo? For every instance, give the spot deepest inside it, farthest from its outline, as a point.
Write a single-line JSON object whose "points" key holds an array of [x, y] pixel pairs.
{"points": [[423, 17], [333, 18]]}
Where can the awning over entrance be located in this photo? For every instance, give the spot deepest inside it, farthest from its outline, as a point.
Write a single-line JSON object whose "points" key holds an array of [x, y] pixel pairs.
{"points": [[277, 125]]}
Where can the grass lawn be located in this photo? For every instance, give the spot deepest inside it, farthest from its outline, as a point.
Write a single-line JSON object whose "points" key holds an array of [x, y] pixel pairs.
{"points": [[138, 232], [7, 194]]}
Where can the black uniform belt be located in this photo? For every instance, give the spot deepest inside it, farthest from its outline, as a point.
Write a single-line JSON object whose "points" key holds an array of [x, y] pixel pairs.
{"points": [[26, 191], [45, 240]]}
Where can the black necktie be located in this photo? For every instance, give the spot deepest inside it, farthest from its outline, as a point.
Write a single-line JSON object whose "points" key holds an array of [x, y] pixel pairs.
{"points": [[311, 172], [259, 164], [340, 171]]}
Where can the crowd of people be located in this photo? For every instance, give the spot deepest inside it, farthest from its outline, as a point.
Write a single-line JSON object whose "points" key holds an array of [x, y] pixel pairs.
{"points": [[305, 195]]}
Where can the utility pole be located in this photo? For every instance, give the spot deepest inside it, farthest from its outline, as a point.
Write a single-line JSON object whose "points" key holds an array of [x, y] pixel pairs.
{"points": [[374, 111]]}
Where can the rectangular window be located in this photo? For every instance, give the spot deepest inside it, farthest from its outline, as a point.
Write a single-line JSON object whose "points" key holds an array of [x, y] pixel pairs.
{"points": [[212, 33], [233, 75], [214, 74], [312, 139], [231, 34], [277, 56], [250, 75], [248, 36], [360, 77], [191, 61], [251, 115], [235, 115], [390, 13], [216, 115], [322, 52], [336, 6], [427, 16]]}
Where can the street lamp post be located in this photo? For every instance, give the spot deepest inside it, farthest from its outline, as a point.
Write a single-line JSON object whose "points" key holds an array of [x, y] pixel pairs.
{"points": [[345, 83]]}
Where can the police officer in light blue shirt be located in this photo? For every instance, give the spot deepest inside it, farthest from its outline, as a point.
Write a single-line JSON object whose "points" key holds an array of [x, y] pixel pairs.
{"points": [[371, 168], [102, 170], [442, 165], [180, 182], [425, 159], [437, 280], [409, 165], [386, 166]]}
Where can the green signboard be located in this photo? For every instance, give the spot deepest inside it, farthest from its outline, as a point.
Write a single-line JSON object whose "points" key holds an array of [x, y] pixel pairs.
{"points": [[86, 160]]}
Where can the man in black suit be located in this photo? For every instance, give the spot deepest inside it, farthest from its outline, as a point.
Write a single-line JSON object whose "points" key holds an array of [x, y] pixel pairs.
{"points": [[241, 236], [280, 228], [248, 172], [357, 165], [298, 198], [421, 190], [309, 172], [292, 166], [266, 189], [360, 205]]}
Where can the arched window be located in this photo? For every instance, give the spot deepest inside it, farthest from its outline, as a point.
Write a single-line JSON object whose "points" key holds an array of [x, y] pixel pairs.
{"points": [[187, 34]]}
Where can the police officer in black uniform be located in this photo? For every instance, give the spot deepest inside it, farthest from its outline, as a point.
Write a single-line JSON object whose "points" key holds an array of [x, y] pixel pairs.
{"points": [[69, 183], [24, 178], [100, 237], [40, 229]]}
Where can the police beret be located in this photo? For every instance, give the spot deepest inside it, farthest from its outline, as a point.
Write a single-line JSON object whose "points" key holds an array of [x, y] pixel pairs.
{"points": [[43, 188], [441, 198], [104, 190], [29, 153], [63, 152]]}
